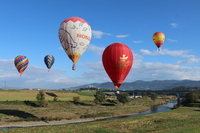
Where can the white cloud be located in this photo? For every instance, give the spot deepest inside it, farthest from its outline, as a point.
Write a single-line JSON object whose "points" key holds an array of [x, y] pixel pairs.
{"points": [[174, 25], [190, 59], [33, 77], [147, 52], [98, 34], [170, 40], [97, 50], [172, 53], [137, 41], [121, 36], [95, 73], [165, 52], [175, 53], [163, 71], [143, 71]]}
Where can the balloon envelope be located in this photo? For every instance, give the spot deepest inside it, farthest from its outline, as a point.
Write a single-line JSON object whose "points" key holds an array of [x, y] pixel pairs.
{"points": [[158, 39], [49, 60], [117, 60], [21, 63], [74, 35]]}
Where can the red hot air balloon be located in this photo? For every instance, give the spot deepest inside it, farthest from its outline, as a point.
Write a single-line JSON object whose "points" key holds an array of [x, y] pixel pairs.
{"points": [[117, 60]]}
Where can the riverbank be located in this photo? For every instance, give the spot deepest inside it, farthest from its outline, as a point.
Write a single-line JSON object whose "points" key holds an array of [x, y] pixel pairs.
{"points": [[12, 112], [156, 109], [183, 119], [51, 123]]}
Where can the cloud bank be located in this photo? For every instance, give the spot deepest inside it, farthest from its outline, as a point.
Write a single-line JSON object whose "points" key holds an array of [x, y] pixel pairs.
{"points": [[39, 77]]}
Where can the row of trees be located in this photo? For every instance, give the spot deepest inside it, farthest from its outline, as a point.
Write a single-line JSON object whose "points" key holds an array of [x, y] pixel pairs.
{"points": [[192, 96], [100, 97], [121, 97]]}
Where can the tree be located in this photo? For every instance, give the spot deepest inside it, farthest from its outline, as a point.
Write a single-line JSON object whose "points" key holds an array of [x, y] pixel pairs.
{"points": [[153, 96], [99, 97], [123, 98], [41, 99], [192, 96]]}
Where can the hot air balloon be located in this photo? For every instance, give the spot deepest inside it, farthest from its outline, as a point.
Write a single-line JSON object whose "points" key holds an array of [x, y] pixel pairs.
{"points": [[158, 39], [49, 60], [21, 63], [74, 35], [117, 60]]}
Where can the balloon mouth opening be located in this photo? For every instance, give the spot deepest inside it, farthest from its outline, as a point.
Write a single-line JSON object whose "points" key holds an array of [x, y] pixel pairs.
{"points": [[20, 73], [117, 85]]}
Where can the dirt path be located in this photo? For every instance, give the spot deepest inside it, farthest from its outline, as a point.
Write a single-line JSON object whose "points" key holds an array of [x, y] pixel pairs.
{"points": [[50, 123], [43, 123]]}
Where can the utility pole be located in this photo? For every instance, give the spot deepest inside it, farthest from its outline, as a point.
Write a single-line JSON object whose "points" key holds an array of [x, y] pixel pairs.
{"points": [[5, 84]]}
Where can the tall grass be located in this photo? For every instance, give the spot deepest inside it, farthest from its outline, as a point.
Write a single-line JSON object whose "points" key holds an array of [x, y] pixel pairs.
{"points": [[71, 110], [181, 120]]}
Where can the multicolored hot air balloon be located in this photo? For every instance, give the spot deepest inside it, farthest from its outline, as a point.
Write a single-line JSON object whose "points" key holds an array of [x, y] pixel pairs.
{"points": [[21, 63], [117, 60], [49, 60], [75, 35], [158, 39]]}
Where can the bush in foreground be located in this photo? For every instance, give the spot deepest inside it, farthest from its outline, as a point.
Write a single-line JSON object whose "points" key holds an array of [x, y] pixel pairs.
{"points": [[41, 99]]}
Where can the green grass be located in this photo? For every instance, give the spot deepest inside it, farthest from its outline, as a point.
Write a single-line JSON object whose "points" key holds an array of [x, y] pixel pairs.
{"points": [[22, 95], [181, 120], [66, 109], [69, 110]]}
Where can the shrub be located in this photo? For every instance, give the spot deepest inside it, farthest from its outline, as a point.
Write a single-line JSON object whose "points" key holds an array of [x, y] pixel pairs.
{"points": [[153, 96], [99, 97], [76, 99], [55, 99], [123, 98], [41, 99], [192, 96]]}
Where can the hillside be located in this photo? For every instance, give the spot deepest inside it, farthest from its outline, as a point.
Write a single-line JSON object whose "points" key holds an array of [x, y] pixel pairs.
{"points": [[144, 85]]}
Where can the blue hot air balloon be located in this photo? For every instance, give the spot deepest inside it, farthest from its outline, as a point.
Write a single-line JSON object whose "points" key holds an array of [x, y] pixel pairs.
{"points": [[49, 60]]}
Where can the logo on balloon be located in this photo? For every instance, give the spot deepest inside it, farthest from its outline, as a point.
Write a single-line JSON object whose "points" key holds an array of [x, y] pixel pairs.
{"points": [[123, 64], [83, 36]]}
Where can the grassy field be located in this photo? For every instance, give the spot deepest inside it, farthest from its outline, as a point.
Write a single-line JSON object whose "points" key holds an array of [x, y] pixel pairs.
{"points": [[22, 95], [181, 120], [19, 105]]}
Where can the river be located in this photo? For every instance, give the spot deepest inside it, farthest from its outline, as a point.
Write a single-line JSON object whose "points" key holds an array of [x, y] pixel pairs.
{"points": [[154, 109]]}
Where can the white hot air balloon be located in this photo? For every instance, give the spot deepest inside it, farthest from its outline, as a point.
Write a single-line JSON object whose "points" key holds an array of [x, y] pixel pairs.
{"points": [[75, 35]]}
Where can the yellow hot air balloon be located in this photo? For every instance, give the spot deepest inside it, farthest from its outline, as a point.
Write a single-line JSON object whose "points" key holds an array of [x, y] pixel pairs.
{"points": [[158, 39], [75, 35]]}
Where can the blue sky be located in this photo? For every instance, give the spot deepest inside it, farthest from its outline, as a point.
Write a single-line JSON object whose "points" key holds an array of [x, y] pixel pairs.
{"points": [[30, 28]]}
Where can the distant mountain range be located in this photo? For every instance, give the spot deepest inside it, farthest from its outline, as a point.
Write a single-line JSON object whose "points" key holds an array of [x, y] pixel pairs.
{"points": [[144, 85]]}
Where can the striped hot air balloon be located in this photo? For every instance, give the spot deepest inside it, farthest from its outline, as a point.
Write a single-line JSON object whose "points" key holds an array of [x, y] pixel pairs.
{"points": [[49, 60], [21, 63]]}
